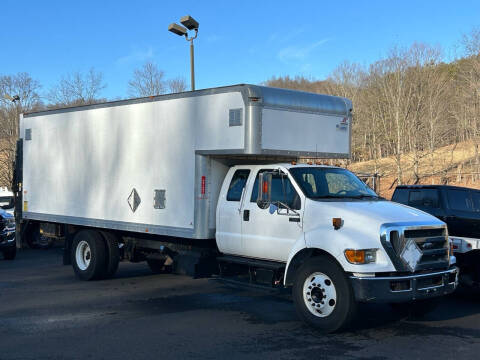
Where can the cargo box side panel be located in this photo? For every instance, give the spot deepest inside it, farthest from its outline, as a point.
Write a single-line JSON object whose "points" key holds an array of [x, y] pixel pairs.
{"points": [[302, 132], [84, 165], [219, 122]]}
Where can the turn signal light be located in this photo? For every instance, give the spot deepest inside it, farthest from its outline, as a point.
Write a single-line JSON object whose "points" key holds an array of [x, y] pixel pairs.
{"points": [[361, 256]]}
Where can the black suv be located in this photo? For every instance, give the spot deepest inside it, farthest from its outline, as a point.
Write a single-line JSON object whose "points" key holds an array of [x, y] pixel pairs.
{"points": [[7, 235], [459, 207]]}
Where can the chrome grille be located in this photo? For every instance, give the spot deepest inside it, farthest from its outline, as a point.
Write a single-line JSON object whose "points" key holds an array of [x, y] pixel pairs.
{"points": [[432, 242]]}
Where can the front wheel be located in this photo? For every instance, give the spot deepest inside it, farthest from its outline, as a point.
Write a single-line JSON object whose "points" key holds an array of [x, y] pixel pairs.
{"points": [[322, 295]]}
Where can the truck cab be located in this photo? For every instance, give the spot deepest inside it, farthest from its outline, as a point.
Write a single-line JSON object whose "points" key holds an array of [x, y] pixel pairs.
{"points": [[339, 242]]}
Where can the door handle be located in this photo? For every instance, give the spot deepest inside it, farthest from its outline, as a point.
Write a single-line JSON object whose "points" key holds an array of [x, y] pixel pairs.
{"points": [[246, 215], [294, 219]]}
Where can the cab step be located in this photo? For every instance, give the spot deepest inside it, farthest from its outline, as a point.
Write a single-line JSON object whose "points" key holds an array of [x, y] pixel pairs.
{"points": [[240, 260], [241, 270]]}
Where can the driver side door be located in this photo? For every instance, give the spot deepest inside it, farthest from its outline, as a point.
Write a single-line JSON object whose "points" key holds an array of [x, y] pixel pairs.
{"points": [[266, 234]]}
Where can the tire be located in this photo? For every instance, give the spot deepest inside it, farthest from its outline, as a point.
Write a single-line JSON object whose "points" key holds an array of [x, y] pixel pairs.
{"points": [[157, 266], [9, 254], [416, 309], [113, 254], [89, 255], [331, 305]]}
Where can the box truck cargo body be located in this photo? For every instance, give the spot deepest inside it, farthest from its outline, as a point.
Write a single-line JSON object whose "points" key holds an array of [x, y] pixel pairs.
{"points": [[207, 183], [156, 165]]}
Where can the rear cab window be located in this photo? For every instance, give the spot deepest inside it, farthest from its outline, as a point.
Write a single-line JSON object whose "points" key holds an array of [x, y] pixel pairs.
{"points": [[425, 198], [239, 180], [400, 196], [459, 200]]}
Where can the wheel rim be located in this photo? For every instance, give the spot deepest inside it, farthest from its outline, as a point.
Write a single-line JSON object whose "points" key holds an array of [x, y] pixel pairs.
{"points": [[83, 255], [319, 294]]}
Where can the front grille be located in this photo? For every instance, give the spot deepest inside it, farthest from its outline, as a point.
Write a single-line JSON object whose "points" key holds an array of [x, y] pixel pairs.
{"points": [[432, 242]]}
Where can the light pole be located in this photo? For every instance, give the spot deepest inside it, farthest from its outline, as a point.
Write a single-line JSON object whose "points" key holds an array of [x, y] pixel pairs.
{"points": [[189, 23]]}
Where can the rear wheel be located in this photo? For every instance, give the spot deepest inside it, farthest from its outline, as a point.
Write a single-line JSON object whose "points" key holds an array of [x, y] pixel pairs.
{"points": [[9, 254], [88, 255], [322, 295]]}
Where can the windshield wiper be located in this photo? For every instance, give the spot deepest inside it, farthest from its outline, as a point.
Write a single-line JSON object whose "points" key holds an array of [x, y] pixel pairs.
{"points": [[364, 196], [328, 197]]}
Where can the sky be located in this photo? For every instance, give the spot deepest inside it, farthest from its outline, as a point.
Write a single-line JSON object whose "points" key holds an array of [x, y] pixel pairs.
{"points": [[238, 42]]}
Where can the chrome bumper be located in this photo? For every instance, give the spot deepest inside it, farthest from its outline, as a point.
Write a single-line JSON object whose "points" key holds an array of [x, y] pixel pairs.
{"points": [[405, 288]]}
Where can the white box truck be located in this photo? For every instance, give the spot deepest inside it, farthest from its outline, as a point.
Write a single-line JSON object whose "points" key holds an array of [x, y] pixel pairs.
{"points": [[206, 182]]}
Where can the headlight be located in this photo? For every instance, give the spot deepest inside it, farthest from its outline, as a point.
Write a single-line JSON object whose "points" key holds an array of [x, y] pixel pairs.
{"points": [[364, 256]]}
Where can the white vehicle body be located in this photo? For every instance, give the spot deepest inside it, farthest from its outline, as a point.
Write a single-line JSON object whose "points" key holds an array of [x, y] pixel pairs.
{"points": [[156, 175]]}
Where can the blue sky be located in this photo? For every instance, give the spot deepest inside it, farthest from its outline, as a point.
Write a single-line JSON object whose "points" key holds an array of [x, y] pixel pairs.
{"points": [[238, 42]]}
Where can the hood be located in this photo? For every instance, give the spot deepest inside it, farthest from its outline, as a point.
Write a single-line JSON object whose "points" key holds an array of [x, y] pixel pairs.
{"points": [[372, 214]]}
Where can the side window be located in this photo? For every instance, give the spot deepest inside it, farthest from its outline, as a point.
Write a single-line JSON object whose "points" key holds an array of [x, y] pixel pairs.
{"points": [[282, 190], [459, 200], [400, 196], [237, 185], [424, 198]]}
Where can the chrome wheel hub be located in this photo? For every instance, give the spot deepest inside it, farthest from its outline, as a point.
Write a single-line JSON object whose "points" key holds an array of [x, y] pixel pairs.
{"points": [[319, 294], [83, 255]]}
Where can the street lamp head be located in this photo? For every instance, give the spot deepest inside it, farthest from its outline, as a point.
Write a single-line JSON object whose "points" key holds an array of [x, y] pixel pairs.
{"points": [[177, 29], [189, 22], [12, 99]]}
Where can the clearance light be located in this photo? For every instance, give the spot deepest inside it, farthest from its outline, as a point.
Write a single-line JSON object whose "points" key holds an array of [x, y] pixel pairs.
{"points": [[337, 223], [358, 257]]}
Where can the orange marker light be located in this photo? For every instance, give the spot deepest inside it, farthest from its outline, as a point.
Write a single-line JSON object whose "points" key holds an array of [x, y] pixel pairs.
{"points": [[355, 256], [337, 223]]}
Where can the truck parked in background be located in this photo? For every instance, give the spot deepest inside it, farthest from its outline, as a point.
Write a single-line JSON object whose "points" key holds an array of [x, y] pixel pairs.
{"points": [[459, 208], [207, 182]]}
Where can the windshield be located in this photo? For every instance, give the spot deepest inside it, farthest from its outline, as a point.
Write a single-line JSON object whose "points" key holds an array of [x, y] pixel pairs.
{"points": [[6, 202], [331, 183]]}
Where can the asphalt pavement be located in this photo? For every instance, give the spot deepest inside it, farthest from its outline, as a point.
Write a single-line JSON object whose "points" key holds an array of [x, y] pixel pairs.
{"points": [[46, 313]]}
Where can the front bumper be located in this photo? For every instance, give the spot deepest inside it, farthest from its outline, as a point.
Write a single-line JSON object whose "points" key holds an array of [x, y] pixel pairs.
{"points": [[396, 289], [7, 239]]}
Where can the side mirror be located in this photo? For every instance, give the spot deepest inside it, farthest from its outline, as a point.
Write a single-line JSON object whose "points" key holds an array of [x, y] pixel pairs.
{"points": [[264, 197]]}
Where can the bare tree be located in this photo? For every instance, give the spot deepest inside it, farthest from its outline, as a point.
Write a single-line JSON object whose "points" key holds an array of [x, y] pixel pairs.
{"points": [[27, 89], [77, 89], [147, 81], [177, 85]]}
